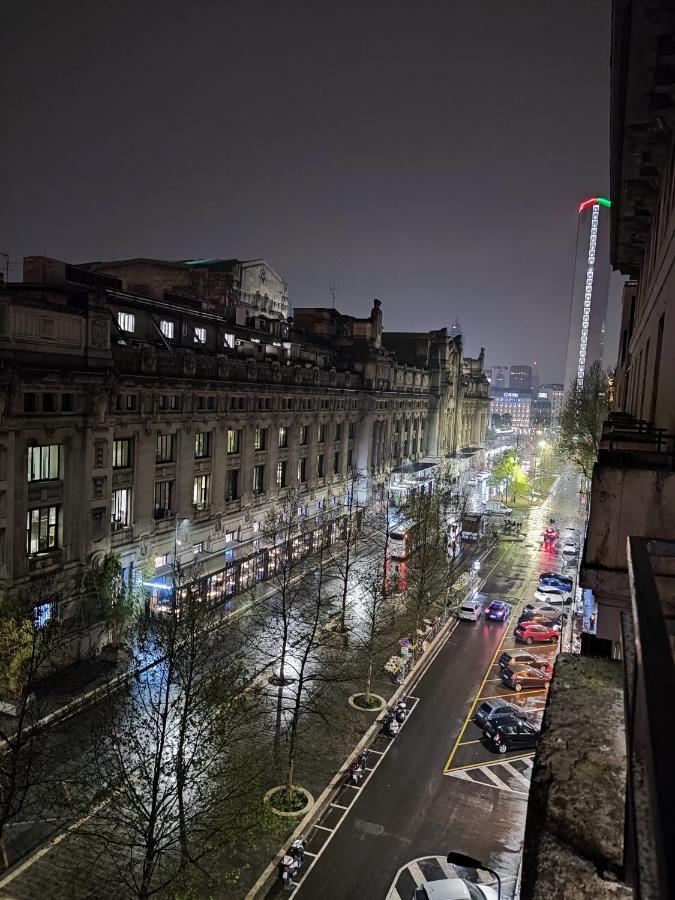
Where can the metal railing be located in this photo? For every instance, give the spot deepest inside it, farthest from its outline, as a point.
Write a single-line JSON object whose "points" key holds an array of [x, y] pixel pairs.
{"points": [[648, 637]]}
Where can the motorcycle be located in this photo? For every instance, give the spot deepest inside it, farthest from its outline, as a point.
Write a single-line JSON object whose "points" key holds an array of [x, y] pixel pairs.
{"points": [[291, 861], [390, 727], [401, 711]]}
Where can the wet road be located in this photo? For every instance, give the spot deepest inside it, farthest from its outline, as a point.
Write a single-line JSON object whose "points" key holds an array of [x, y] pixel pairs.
{"points": [[436, 788]]}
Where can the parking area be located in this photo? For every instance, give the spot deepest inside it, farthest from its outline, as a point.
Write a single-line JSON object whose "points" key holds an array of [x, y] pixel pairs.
{"points": [[471, 750]]}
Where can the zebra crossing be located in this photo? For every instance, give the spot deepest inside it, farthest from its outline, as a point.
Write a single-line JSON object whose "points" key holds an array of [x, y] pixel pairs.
{"points": [[427, 868], [512, 774]]}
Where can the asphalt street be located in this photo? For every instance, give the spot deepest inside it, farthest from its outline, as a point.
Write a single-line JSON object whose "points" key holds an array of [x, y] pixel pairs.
{"points": [[436, 788]]}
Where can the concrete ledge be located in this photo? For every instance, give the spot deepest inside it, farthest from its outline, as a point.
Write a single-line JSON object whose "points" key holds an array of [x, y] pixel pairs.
{"points": [[575, 819]]}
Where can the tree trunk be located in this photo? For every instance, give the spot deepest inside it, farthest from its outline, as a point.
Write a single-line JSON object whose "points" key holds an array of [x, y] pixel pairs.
{"points": [[369, 679]]}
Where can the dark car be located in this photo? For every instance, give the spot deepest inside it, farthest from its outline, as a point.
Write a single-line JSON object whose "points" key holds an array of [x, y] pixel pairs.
{"points": [[540, 618], [513, 658], [521, 677], [556, 580], [490, 710], [510, 734], [498, 611], [531, 633]]}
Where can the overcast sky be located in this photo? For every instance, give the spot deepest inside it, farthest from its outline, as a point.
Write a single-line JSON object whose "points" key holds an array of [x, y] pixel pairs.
{"points": [[431, 154]]}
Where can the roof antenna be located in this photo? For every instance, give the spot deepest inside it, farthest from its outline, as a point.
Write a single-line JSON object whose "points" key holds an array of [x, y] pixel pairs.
{"points": [[333, 289]]}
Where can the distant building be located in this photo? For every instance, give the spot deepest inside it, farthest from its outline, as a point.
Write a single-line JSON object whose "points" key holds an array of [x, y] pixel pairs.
{"points": [[540, 412], [251, 286], [520, 378], [455, 329], [590, 289], [517, 404], [555, 394], [500, 378]]}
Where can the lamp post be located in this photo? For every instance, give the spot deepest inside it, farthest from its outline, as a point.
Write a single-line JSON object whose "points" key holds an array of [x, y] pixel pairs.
{"points": [[469, 862]]}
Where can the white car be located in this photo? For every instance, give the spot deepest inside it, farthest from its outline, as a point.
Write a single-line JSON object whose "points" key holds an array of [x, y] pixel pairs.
{"points": [[552, 596], [453, 889], [470, 610], [570, 548]]}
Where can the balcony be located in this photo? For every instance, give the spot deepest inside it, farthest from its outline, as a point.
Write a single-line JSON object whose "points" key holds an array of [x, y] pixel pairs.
{"points": [[599, 820]]}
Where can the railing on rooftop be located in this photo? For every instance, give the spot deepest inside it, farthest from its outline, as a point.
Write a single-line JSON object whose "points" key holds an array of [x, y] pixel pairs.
{"points": [[622, 431], [648, 637]]}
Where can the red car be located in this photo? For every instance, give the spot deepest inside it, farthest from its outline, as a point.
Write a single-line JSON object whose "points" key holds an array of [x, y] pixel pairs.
{"points": [[531, 633]]}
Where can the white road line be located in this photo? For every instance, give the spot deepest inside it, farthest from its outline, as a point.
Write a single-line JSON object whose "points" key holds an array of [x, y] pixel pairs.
{"points": [[495, 779], [323, 828], [447, 868], [416, 873], [339, 806], [393, 894], [379, 752], [461, 774], [521, 778], [308, 853]]}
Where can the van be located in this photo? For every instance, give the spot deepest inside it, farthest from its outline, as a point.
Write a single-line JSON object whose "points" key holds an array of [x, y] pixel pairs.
{"points": [[496, 506], [470, 610]]}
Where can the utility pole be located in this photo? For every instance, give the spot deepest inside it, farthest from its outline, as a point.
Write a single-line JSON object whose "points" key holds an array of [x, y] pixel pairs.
{"points": [[332, 290]]}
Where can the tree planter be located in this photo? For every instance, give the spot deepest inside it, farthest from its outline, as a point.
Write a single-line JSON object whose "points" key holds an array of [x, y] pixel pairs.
{"points": [[375, 702], [12, 706], [277, 801]]}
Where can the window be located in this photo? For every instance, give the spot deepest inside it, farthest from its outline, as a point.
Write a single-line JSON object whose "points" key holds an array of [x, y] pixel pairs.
{"points": [[233, 440], [228, 340], [126, 321], [258, 479], [49, 402], [259, 439], [320, 465], [200, 335], [232, 485], [120, 512], [281, 473], [304, 434], [167, 328], [350, 459], [132, 402], [67, 402], [163, 499], [30, 402], [121, 453], [336, 461], [199, 548], [44, 463], [351, 430], [42, 613], [200, 491], [164, 449], [338, 431], [321, 433], [283, 437], [163, 560], [202, 444], [230, 536], [302, 469], [42, 529]]}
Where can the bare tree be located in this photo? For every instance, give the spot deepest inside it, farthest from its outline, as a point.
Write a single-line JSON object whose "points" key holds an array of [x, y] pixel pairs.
{"points": [[343, 549], [585, 408], [170, 756], [428, 571]]}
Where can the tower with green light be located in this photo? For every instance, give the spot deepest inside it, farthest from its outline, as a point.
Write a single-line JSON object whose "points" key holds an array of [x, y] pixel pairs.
{"points": [[590, 290]]}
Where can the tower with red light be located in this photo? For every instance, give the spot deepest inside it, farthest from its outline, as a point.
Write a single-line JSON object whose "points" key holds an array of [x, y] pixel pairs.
{"points": [[590, 290]]}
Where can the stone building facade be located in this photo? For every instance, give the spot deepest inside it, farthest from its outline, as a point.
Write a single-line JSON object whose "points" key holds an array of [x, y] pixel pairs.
{"points": [[163, 429]]}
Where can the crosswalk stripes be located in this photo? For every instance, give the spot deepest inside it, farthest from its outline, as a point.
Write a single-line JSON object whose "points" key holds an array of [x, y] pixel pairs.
{"points": [[505, 775]]}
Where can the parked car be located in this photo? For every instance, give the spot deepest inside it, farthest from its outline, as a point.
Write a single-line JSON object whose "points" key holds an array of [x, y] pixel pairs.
{"points": [[570, 548], [556, 580], [554, 596], [525, 677], [540, 618], [488, 710], [510, 734], [529, 633], [498, 611], [511, 658], [470, 610], [453, 889], [547, 609]]}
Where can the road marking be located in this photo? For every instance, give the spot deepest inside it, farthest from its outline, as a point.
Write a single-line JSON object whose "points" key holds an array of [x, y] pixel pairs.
{"points": [[339, 806], [495, 762], [464, 743], [323, 828], [495, 779], [516, 694], [516, 774], [416, 873]]}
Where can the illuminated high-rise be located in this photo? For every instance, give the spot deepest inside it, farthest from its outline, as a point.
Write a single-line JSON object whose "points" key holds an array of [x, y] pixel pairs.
{"points": [[590, 289]]}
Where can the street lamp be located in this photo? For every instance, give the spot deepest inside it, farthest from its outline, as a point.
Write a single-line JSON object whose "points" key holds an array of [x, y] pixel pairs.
{"points": [[469, 862]]}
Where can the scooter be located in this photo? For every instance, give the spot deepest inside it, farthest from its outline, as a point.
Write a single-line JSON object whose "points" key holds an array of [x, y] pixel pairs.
{"points": [[401, 711], [291, 861], [355, 773], [390, 727]]}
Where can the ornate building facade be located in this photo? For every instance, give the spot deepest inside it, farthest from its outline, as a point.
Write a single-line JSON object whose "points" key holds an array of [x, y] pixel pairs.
{"points": [[165, 426]]}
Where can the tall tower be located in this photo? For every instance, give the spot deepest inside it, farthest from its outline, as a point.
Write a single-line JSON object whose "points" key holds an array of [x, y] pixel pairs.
{"points": [[590, 289]]}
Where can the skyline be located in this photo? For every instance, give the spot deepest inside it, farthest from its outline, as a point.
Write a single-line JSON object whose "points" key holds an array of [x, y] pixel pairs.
{"points": [[381, 172]]}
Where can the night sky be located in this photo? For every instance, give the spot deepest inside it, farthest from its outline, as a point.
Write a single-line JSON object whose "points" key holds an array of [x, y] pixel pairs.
{"points": [[431, 154]]}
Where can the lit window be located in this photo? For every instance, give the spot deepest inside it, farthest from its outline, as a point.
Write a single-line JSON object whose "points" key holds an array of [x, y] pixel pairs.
{"points": [[42, 529], [281, 473], [259, 439], [229, 536], [121, 453], [120, 512], [258, 479], [233, 441], [202, 444], [44, 463], [228, 340], [164, 448], [200, 335], [163, 560], [200, 491], [283, 437], [126, 321], [199, 548], [167, 328]]}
